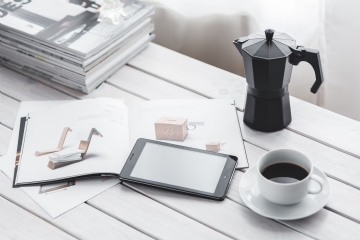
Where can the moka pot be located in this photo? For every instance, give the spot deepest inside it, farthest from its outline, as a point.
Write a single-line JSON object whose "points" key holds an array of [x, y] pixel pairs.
{"points": [[268, 60]]}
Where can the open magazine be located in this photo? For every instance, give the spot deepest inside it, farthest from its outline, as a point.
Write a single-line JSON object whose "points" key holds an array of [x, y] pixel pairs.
{"points": [[60, 197], [91, 138]]}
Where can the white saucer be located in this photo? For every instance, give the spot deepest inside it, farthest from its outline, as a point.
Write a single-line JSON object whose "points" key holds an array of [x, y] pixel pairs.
{"points": [[311, 204]]}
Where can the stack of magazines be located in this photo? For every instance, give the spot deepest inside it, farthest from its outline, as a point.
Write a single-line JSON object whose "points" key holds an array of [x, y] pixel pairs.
{"points": [[63, 41]]}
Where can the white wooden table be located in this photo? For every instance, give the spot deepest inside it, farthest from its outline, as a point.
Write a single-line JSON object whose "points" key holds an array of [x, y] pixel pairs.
{"points": [[130, 211]]}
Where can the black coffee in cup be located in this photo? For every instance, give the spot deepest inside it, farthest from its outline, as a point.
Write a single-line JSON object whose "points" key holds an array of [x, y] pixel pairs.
{"points": [[284, 172]]}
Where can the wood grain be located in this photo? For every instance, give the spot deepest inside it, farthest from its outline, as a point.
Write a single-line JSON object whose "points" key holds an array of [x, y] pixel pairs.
{"points": [[82, 222], [150, 216], [343, 200], [171, 128], [206, 81], [203, 219], [278, 229], [334, 163], [148, 87], [17, 223], [309, 120], [5, 135], [345, 197], [6, 110], [74, 220], [226, 217], [25, 89], [190, 74], [104, 90], [322, 225], [327, 127]]}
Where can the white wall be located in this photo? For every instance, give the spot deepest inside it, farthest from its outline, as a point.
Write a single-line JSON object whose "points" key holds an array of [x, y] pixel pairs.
{"points": [[342, 94], [205, 29]]}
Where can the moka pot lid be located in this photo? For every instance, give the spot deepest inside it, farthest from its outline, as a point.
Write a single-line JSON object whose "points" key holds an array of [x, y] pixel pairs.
{"points": [[268, 44]]}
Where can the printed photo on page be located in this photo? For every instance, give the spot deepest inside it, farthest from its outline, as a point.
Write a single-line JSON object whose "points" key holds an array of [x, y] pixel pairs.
{"points": [[58, 198], [83, 138], [211, 125]]}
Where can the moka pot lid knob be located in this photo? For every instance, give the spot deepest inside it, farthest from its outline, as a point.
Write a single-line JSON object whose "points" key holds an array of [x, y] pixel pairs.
{"points": [[269, 33], [267, 45]]}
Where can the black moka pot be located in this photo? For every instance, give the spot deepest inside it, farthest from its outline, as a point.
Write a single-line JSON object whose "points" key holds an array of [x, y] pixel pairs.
{"points": [[268, 59]]}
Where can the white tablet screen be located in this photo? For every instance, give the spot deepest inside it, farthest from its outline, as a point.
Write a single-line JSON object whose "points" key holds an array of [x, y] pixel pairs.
{"points": [[179, 167]]}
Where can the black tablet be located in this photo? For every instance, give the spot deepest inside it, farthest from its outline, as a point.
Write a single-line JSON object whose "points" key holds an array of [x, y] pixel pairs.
{"points": [[179, 168]]}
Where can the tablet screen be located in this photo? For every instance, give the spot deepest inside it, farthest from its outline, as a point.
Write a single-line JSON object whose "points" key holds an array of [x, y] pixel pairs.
{"points": [[179, 167]]}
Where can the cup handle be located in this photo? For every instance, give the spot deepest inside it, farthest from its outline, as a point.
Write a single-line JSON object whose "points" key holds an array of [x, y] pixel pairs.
{"points": [[320, 181]]}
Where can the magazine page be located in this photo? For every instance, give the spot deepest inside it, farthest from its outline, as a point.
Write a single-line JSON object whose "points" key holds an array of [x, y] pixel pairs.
{"points": [[59, 198], [70, 25], [204, 124], [75, 139]]}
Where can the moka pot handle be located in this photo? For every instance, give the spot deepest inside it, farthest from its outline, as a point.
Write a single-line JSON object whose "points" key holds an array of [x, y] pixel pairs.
{"points": [[312, 56]]}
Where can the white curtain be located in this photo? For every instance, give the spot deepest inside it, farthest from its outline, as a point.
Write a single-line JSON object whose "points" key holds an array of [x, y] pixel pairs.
{"points": [[342, 24], [205, 30]]}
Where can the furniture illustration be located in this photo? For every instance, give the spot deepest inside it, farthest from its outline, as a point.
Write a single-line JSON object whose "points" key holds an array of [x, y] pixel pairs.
{"points": [[59, 146], [52, 189], [85, 140], [61, 160], [171, 128], [213, 146]]}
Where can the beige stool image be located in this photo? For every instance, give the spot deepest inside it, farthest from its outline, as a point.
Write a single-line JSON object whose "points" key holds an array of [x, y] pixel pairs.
{"points": [[59, 146], [85, 138], [213, 146], [172, 128]]}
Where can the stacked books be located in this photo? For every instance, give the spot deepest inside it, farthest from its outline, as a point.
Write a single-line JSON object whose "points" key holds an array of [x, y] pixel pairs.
{"points": [[64, 42]]}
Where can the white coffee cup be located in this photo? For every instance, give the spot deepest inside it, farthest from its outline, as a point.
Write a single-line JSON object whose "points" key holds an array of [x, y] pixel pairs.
{"points": [[286, 192]]}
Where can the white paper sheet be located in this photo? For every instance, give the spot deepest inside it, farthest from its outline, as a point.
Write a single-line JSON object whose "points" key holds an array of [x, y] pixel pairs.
{"points": [[64, 199], [212, 120], [105, 153]]}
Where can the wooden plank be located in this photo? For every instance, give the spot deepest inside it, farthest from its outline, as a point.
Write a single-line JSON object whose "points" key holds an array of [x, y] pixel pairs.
{"points": [[104, 90], [322, 225], [344, 199], [286, 231], [150, 216], [327, 127], [25, 89], [6, 110], [314, 122], [5, 135], [226, 216], [17, 223], [146, 86], [347, 198], [334, 163], [189, 73], [193, 228], [344, 196], [82, 222]]}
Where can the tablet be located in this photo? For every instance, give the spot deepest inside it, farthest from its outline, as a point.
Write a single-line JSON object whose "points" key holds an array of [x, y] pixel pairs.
{"points": [[179, 168]]}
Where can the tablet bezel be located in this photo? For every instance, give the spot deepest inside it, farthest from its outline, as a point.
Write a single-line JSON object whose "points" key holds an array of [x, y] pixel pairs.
{"points": [[223, 181]]}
